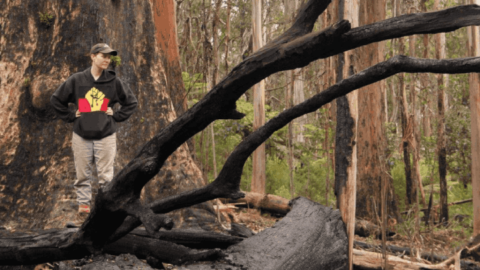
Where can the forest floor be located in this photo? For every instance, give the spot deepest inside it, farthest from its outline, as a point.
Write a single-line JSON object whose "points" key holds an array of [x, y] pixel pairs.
{"points": [[439, 241]]}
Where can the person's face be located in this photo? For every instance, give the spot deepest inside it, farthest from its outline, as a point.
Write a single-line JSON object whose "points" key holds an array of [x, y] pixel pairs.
{"points": [[101, 60]]}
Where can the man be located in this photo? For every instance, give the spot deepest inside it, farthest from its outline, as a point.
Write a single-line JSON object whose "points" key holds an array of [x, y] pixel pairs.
{"points": [[94, 92]]}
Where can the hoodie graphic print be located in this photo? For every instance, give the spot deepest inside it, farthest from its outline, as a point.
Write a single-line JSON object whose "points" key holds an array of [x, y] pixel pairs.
{"points": [[94, 101], [92, 98]]}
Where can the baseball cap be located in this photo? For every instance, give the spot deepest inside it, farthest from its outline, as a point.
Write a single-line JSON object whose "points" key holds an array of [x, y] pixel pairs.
{"points": [[102, 48]]}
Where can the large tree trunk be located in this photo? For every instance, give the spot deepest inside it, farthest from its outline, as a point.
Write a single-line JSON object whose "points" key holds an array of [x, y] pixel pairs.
{"points": [[371, 141], [36, 153]]}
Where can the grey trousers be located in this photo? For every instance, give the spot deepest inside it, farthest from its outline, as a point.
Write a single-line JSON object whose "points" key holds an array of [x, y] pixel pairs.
{"points": [[84, 151]]}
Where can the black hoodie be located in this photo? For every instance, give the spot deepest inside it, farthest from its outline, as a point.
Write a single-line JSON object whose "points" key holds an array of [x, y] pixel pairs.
{"points": [[92, 99]]}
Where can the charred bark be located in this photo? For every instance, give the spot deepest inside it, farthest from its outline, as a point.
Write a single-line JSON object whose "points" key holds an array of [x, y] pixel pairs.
{"points": [[176, 247], [307, 230]]}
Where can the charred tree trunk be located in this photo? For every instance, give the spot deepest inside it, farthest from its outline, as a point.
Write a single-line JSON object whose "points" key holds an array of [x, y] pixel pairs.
{"points": [[41, 165], [346, 134], [441, 147]]}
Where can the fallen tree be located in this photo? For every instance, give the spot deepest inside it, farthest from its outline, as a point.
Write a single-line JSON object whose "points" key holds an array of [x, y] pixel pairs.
{"points": [[265, 202], [402, 251], [280, 206], [118, 209]]}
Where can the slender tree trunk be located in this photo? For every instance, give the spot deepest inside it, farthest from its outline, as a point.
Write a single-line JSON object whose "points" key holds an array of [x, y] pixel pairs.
{"points": [[298, 97], [216, 65], [227, 36], [410, 188], [288, 105], [427, 129], [474, 48], [414, 142], [292, 85], [346, 133], [258, 173], [442, 162], [327, 155]]}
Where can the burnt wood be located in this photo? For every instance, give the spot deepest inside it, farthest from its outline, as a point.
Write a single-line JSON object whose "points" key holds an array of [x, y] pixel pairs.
{"points": [[407, 251], [310, 236]]}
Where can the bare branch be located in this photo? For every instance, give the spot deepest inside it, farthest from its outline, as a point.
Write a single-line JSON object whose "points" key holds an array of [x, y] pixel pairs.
{"points": [[228, 181]]}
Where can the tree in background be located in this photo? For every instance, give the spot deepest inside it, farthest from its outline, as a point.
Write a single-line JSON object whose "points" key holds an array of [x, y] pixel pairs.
{"points": [[258, 173], [474, 50], [441, 146]]}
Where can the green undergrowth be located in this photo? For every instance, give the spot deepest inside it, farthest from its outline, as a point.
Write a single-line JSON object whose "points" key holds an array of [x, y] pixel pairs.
{"points": [[310, 163], [460, 216]]}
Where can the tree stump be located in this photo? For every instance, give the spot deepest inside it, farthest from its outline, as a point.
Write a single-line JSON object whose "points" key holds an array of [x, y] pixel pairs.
{"points": [[310, 236]]}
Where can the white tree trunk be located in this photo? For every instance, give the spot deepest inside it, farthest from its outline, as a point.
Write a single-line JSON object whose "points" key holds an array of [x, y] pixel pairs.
{"points": [[258, 174]]}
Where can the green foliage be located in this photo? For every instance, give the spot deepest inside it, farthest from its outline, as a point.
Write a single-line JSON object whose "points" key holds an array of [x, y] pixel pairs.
{"points": [[45, 18], [26, 82], [116, 60], [193, 83], [457, 122], [310, 167], [310, 172]]}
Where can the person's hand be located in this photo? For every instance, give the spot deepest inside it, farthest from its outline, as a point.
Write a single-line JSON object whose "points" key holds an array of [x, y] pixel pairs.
{"points": [[78, 113], [109, 111]]}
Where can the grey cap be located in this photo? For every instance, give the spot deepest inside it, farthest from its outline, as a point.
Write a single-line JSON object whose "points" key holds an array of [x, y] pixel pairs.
{"points": [[102, 48]]}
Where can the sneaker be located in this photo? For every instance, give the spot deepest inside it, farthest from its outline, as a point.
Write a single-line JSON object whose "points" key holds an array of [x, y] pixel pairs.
{"points": [[83, 212], [78, 220], [84, 208]]}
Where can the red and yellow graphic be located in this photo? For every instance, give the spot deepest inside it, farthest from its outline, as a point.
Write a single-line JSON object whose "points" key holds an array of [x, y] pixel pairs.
{"points": [[94, 101]]}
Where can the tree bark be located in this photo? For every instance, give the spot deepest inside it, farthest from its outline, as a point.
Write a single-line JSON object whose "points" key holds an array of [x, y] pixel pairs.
{"points": [[474, 49], [307, 230], [441, 147], [346, 134], [410, 188], [370, 141], [258, 171]]}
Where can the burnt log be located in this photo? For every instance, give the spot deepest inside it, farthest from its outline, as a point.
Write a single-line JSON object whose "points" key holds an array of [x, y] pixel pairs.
{"points": [[310, 236], [168, 250], [407, 251], [366, 260], [365, 228], [266, 202]]}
